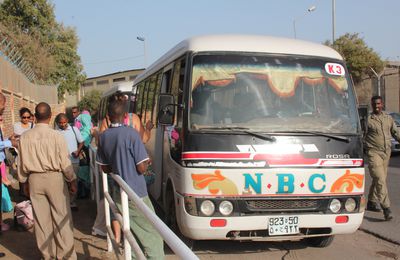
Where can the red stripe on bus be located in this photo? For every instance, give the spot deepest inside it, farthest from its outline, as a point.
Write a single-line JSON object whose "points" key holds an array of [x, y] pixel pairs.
{"points": [[214, 156]]}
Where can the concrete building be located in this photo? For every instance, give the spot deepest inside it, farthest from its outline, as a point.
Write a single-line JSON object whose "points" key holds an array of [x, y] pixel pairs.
{"points": [[391, 86], [102, 83]]}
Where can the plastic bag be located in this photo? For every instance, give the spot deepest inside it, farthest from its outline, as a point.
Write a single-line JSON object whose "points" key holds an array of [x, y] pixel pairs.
{"points": [[23, 215]]}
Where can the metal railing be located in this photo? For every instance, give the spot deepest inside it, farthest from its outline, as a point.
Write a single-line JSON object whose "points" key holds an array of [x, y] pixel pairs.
{"points": [[176, 245]]}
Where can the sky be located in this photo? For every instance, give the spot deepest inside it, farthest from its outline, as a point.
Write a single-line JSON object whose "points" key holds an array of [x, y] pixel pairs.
{"points": [[108, 29]]}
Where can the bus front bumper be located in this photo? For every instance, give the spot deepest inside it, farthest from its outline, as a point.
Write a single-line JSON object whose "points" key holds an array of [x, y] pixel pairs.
{"points": [[256, 227]]}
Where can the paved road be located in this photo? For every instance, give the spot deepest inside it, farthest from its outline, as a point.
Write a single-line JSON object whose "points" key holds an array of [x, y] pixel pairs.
{"points": [[359, 245], [373, 221]]}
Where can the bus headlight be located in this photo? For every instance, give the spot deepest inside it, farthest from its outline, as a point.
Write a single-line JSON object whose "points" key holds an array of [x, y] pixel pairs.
{"points": [[350, 205], [207, 207], [335, 205], [225, 208], [190, 206]]}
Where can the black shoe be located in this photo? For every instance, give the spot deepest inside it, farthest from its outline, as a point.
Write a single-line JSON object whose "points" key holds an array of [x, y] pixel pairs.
{"points": [[387, 213], [371, 206]]}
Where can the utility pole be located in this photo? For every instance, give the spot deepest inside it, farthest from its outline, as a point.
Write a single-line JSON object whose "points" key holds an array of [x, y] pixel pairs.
{"points": [[142, 39]]}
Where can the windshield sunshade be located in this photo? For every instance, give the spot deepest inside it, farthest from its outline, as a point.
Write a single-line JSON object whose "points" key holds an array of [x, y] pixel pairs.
{"points": [[271, 94]]}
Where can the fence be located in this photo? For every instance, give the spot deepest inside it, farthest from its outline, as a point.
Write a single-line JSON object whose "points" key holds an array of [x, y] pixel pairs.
{"points": [[14, 80], [20, 92], [389, 88], [176, 245]]}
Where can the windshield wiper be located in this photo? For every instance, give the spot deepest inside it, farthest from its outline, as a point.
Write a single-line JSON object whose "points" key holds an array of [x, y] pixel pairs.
{"points": [[336, 137], [242, 130]]}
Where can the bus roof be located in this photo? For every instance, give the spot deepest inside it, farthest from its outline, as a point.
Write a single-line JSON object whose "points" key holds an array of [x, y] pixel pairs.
{"points": [[121, 86], [242, 43]]}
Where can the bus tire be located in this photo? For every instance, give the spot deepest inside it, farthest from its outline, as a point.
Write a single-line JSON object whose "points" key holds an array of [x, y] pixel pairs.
{"points": [[172, 222], [320, 241]]}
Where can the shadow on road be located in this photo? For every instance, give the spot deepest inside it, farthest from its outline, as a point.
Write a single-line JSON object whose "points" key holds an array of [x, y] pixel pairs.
{"points": [[394, 162], [372, 219], [219, 247], [22, 244]]}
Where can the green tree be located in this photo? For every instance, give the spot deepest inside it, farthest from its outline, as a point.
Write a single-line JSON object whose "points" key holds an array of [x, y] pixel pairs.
{"points": [[90, 101], [30, 16], [68, 73], [56, 60], [33, 52], [358, 56]]}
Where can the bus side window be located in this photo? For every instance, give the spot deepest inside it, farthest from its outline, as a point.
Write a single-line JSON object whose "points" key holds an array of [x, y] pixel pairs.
{"points": [[140, 97], [150, 99], [155, 101], [101, 109], [177, 91]]}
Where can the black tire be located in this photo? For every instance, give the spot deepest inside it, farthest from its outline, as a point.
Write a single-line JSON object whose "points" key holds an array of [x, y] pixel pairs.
{"points": [[320, 241], [172, 223]]}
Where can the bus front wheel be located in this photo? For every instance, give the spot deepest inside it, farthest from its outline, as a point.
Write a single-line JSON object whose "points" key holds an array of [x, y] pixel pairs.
{"points": [[320, 241], [171, 221]]}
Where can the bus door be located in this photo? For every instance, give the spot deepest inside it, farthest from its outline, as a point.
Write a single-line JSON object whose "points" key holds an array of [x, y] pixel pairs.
{"points": [[157, 160]]}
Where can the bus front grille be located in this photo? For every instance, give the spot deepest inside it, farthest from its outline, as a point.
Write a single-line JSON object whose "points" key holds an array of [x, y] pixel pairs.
{"points": [[285, 205]]}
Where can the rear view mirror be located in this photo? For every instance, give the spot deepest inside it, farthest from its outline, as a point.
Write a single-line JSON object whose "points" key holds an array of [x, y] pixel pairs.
{"points": [[166, 109]]}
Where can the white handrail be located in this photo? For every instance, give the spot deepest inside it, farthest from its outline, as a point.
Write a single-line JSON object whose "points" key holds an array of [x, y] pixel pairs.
{"points": [[176, 245]]}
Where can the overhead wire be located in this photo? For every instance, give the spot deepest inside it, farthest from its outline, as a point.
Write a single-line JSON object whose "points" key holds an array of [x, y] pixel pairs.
{"points": [[114, 60]]}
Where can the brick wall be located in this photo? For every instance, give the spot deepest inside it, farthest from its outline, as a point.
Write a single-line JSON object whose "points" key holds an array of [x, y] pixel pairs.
{"points": [[14, 102]]}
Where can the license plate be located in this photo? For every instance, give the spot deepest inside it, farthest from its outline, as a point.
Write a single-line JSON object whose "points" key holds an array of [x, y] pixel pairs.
{"points": [[283, 225]]}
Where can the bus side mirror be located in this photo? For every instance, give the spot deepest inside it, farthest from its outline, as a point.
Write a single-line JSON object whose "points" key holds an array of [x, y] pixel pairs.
{"points": [[166, 109]]}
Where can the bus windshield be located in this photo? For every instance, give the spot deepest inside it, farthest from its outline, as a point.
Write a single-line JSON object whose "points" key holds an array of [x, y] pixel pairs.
{"points": [[271, 94]]}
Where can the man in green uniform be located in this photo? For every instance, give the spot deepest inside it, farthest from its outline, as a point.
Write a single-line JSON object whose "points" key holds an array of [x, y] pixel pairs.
{"points": [[377, 141]]}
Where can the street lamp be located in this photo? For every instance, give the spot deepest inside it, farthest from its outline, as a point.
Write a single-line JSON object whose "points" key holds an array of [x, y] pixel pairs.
{"points": [[142, 39], [311, 9]]}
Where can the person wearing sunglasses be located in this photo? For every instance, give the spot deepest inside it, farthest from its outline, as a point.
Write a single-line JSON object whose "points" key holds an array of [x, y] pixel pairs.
{"points": [[25, 124], [19, 128]]}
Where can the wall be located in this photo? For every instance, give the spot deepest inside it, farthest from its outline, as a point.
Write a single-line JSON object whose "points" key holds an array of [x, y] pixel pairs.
{"points": [[20, 92], [390, 88]]}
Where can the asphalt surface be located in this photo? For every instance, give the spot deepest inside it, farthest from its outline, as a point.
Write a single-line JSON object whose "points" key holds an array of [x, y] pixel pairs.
{"points": [[374, 222]]}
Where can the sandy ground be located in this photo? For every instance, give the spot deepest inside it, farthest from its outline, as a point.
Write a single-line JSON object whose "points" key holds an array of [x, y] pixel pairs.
{"points": [[22, 244]]}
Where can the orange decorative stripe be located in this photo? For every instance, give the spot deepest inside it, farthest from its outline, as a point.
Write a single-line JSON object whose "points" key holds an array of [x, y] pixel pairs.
{"points": [[200, 181], [347, 182]]}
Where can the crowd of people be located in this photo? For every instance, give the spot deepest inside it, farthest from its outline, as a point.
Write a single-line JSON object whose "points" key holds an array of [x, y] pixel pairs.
{"points": [[52, 168]]}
